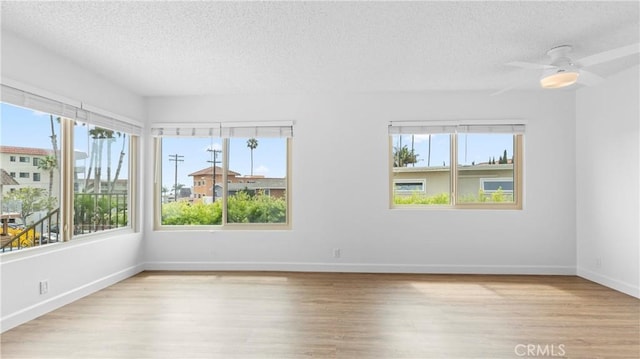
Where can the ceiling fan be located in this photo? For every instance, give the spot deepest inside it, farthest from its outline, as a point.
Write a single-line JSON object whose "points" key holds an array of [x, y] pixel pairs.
{"points": [[562, 71]]}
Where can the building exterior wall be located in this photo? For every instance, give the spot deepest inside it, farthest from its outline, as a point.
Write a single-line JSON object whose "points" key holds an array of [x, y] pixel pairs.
{"points": [[437, 180], [15, 168]]}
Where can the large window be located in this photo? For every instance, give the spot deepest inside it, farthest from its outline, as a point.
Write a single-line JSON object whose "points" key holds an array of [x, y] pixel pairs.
{"points": [[84, 179], [101, 178], [225, 175], [461, 165], [29, 202]]}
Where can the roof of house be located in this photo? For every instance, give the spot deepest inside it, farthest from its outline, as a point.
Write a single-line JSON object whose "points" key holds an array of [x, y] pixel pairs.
{"points": [[209, 171], [6, 179], [258, 183], [25, 151]]}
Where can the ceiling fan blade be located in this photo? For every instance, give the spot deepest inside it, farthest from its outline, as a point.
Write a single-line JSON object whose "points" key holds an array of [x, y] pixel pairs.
{"points": [[528, 65], [589, 78], [609, 55]]}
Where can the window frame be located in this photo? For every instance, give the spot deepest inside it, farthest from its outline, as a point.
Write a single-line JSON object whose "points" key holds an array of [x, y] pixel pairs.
{"points": [[422, 182], [132, 184], [225, 225], [517, 204], [484, 180], [69, 112]]}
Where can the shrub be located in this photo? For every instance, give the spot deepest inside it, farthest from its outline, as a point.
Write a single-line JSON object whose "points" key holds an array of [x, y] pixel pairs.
{"points": [[242, 207]]}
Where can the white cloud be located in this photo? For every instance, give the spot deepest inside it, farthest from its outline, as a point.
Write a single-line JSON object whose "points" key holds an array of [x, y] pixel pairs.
{"points": [[39, 114]]}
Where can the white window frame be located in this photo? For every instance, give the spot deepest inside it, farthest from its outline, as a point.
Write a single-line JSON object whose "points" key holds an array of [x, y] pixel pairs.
{"points": [[484, 180], [454, 128], [226, 131], [421, 182]]}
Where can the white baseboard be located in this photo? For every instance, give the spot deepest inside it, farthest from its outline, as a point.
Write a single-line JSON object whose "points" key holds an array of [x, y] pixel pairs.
{"points": [[627, 288], [14, 319], [360, 268]]}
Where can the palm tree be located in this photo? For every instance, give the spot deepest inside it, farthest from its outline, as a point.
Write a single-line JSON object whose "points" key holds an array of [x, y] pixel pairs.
{"points": [[252, 143], [120, 160], [402, 156], [98, 135], [110, 140], [54, 138], [49, 163]]}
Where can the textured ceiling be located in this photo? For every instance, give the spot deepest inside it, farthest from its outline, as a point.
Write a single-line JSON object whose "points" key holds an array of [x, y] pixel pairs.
{"points": [[193, 48]]}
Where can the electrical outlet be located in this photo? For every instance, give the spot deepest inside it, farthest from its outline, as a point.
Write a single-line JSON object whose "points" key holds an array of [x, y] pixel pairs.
{"points": [[44, 286], [336, 253]]}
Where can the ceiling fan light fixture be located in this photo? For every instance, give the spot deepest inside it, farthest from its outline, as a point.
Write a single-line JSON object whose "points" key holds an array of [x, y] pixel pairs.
{"points": [[559, 78]]}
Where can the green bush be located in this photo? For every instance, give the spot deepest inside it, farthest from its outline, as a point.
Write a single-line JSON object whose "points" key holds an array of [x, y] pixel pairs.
{"points": [[443, 198], [243, 207], [497, 196], [416, 198], [185, 213]]}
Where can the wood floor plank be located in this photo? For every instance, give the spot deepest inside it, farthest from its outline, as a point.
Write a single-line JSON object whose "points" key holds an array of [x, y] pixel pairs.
{"points": [[336, 315]]}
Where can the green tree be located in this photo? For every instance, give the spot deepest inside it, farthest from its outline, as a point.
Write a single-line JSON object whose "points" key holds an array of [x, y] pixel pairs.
{"points": [[31, 200], [402, 156], [49, 164], [252, 143]]}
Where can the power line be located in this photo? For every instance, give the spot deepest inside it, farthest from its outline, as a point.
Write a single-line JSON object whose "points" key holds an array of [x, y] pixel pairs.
{"points": [[214, 155], [175, 158]]}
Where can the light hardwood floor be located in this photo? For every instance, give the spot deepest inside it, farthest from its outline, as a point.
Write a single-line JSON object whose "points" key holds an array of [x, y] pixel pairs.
{"points": [[336, 315]]}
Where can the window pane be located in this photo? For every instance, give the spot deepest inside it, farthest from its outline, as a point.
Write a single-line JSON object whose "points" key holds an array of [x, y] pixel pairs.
{"points": [[421, 169], [30, 188], [257, 180], [485, 168], [101, 179], [191, 169]]}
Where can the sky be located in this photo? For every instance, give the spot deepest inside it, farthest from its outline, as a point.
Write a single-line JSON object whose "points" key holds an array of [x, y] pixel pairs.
{"points": [[28, 128], [269, 158], [472, 148]]}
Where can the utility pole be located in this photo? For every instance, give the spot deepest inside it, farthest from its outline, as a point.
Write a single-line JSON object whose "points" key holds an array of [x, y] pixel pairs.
{"points": [[214, 155], [175, 158]]}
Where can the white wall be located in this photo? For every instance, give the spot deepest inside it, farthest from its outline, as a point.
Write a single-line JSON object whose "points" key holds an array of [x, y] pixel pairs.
{"points": [[79, 267], [340, 190], [26, 63], [608, 181]]}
